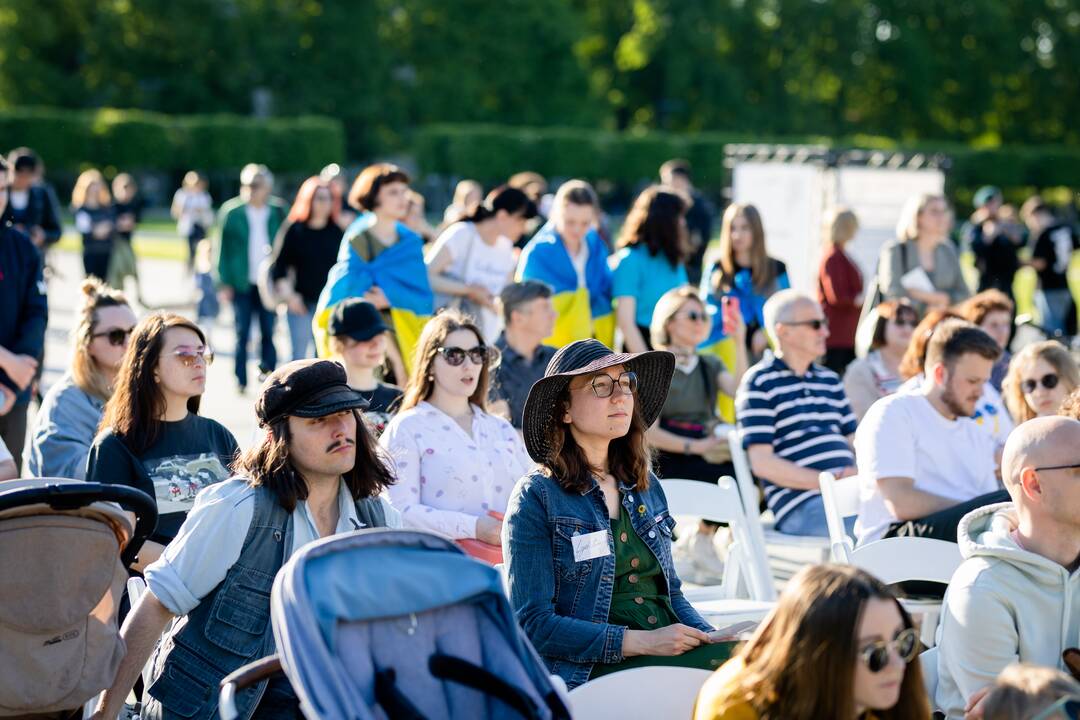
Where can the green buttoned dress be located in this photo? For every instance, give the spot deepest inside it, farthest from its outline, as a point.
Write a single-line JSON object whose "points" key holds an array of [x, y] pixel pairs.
{"points": [[640, 602]]}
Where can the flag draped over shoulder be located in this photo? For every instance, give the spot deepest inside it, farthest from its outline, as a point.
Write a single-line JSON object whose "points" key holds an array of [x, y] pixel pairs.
{"points": [[583, 312], [398, 270]]}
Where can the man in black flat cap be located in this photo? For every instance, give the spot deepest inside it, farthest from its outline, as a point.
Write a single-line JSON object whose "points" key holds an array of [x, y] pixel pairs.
{"points": [[315, 473]]}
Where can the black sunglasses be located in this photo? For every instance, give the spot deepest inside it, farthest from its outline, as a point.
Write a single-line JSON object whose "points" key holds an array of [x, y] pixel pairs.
{"points": [[876, 654], [116, 336], [812, 324], [456, 356], [1071, 466], [905, 322], [694, 316], [1048, 381]]}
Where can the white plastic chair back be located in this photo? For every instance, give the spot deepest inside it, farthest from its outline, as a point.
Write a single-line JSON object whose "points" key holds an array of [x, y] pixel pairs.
{"points": [[722, 503], [901, 559], [669, 692], [841, 500]]}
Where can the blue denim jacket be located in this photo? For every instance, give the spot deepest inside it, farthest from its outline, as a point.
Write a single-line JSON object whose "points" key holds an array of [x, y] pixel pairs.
{"points": [[561, 604]]}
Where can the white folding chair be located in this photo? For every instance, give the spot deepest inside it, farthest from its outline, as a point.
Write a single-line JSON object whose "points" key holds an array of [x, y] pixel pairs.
{"points": [[618, 695], [746, 558], [841, 500], [802, 545], [891, 560]]}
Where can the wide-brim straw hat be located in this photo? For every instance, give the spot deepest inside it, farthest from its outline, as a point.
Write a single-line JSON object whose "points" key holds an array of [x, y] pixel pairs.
{"points": [[584, 357]]}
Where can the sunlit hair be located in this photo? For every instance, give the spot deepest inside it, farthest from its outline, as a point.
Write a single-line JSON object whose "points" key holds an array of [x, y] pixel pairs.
{"points": [[840, 227], [907, 227], [135, 410], [1070, 406], [977, 307], [85, 371], [269, 464], [762, 268], [301, 208], [1023, 690], [573, 192], [629, 456], [422, 378], [888, 310], [192, 180], [656, 221], [1056, 356], [915, 355], [80, 197], [667, 307], [799, 665]]}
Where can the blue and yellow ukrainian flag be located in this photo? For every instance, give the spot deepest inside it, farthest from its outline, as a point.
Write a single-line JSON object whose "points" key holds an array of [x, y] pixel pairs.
{"points": [[399, 271], [583, 312], [723, 347]]}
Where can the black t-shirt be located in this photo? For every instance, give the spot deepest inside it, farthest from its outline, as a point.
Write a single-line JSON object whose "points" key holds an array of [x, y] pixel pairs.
{"points": [[187, 456], [133, 208], [383, 403], [1055, 245], [311, 254]]}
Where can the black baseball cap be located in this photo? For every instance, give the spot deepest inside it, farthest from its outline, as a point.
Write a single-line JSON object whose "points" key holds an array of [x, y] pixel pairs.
{"points": [[306, 388], [357, 319]]}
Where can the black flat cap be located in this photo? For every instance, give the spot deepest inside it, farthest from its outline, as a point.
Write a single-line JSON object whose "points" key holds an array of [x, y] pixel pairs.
{"points": [[306, 388]]}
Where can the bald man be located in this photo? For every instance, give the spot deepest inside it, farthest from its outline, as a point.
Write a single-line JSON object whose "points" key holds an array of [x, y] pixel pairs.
{"points": [[1016, 597]]}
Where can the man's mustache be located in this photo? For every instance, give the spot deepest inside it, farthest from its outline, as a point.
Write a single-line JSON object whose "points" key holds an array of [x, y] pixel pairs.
{"points": [[339, 443]]}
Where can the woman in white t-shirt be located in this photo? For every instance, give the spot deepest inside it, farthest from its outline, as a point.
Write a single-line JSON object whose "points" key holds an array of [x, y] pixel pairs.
{"points": [[473, 260], [193, 211]]}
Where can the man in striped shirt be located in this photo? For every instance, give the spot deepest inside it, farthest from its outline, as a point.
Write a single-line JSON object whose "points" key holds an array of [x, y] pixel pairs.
{"points": [[793, 415]]}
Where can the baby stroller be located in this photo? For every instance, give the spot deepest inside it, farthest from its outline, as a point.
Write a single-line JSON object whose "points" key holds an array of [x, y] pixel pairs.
{"points": [[380, 624], [64, 547]]}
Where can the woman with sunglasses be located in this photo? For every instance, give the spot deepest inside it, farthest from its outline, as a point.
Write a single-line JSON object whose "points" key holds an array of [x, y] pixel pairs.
{"points": [[870, 378], [588, 535], [685, 433], [837, 645], [65, 425], [152, 437], [1040, 377], [456, 464]]}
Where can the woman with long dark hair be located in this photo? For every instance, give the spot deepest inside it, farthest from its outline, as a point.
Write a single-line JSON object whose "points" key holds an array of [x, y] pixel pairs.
{"points": [[456, 463], [838, 645], [653, 246], [305, 249], [65, 425], [151, 436], [473, 259], [588, 536]]}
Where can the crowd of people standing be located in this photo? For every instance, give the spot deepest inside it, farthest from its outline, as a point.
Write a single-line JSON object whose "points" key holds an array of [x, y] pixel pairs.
{"points": [[519, 380]]}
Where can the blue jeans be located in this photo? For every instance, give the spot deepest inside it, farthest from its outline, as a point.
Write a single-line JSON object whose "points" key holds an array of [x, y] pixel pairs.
{"points": [[808, 518], [1053, 307], [246, 303], [301, 339]]}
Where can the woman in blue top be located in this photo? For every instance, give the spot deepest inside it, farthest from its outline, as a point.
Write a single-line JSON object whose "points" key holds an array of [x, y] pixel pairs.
{"points": [[651, 260], [587, 538], [742, 269]]}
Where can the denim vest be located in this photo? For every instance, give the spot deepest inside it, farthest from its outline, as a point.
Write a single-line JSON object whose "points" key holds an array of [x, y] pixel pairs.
{"points": [[563, 604], [231, 625]]}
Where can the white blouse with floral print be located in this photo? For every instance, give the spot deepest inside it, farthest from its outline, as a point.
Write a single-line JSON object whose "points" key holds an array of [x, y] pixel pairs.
{"points": [[446, 479]]}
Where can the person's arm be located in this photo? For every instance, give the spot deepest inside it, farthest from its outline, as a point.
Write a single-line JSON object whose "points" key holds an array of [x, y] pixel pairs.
{"points": [[728, 382], [839, 284], [19, 368], [406, 494], [50, 216], [142, 628], [905, 502], [757, 418], [530, 570], [668, 441], [978, 640], [626, 320], [767, 465], [30, 332], [959, 290], [8, 471], [860, 388]]}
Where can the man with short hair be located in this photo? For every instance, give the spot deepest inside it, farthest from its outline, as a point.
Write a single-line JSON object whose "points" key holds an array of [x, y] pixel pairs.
{"points": [[1016, 597], [248, 225], [699, 218], [32, 204], [24, 312], [529, 318], [793, 415], [923, 459], [317, 472]]}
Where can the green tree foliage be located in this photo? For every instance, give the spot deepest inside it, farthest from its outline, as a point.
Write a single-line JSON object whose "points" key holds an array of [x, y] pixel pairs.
{"points": [[984, 72]]}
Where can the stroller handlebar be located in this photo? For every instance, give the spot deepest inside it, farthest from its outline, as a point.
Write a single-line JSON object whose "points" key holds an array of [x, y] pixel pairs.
{"points": [[75, 494]]}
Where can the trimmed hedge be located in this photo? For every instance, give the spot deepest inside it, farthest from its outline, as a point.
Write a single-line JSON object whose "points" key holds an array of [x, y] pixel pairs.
{"points": [[491, 153], [70, 140]]}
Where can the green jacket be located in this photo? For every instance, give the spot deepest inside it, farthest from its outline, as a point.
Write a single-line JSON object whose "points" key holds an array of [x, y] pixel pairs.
{"points": [[231, 243]]}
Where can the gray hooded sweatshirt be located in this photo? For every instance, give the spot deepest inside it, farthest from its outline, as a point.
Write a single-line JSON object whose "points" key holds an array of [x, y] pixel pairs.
{"points": [[1004, 605]]}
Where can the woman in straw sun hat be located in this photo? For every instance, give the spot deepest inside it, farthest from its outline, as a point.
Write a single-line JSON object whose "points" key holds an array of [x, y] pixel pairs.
{"points": [[587, 538]]}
